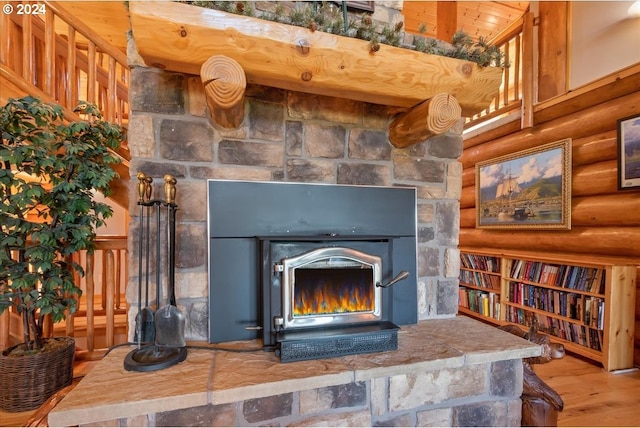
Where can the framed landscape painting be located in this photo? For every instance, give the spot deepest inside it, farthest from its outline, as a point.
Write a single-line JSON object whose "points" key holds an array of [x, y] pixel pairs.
{"points": [[530, 189], [629, 152]]}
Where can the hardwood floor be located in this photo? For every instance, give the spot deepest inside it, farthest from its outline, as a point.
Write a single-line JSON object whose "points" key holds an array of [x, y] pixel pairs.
{"points": [[592, 397]]}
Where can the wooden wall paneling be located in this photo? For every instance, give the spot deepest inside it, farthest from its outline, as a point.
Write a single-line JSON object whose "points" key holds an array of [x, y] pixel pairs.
{"points": [[418, 13], [468, 177], [608, 241], [468, 217], [615, 85], [595, 179], [508, 128], [587, 150], [605, 210], [447, 20], [552, 49], [636, 344], [476, 18], [589, 211], [594, 148], [594, 189], [594, 120], [468, 197]]}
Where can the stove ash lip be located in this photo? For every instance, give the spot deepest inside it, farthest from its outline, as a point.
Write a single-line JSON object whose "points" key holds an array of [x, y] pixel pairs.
{"points": [[289, 265]]}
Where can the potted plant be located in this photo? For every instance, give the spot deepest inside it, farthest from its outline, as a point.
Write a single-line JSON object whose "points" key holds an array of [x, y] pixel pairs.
{"points": [[49, 172]]}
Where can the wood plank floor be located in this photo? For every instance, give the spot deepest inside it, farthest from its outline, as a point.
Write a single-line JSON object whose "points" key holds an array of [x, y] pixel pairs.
{"points": [[592, 397]]}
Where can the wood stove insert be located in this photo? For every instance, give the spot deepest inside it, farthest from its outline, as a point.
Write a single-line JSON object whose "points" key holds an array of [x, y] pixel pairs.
{"points": [[325, 297], [254, 226]]}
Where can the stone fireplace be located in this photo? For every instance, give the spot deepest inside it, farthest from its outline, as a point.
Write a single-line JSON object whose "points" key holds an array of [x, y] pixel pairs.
{"points": [[297, 138], [440, 370], [447, 370]]}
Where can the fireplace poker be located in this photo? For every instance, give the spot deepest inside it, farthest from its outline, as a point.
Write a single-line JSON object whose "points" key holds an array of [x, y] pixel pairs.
{"points": [[169, 319], [148, 332], [141, 192]]}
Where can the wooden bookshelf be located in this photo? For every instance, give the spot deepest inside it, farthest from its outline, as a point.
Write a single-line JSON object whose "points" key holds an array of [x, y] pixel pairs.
{"points": [[480, 286], [586, 303]]}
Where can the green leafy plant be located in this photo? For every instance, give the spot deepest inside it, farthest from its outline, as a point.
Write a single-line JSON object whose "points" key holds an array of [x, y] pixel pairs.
{"points": [[49, 172], [327, 17]]}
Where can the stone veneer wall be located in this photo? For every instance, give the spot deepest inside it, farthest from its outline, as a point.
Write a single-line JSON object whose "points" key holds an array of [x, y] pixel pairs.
{"points": [[293, 137], [435, 399], [441, 375]]}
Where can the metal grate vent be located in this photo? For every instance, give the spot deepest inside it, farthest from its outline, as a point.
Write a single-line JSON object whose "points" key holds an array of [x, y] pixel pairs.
{"points": [[335, 346]]}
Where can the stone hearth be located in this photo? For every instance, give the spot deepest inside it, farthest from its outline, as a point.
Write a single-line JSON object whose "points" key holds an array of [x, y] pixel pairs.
{"points": [[446, 372]]}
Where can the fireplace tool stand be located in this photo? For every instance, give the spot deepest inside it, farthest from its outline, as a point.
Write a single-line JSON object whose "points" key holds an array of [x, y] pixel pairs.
{"points": [[160, 335]]}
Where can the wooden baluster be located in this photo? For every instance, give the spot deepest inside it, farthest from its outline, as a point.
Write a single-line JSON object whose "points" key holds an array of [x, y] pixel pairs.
{"points": [[90, 301], [69, 325], [109, 268], [124, 80], [4, 329], [27, 49], [118, 275], [103, 280], [49, 58], [528, 90], [72, 88], [91, 73], [5, 24], [102, 104], [111, 91], [505, 82], [517, 68], [47, 326]]}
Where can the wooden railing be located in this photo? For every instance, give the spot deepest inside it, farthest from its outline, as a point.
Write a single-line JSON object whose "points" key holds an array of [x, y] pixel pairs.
{"points": [[101, 320], [516, 44], [55, 56]]}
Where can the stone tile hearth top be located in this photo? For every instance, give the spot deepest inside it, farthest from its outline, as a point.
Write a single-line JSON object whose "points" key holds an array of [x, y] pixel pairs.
{"points": [[210, 376]]}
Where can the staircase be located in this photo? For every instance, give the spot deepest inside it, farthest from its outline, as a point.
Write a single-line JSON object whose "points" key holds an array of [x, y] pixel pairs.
{"points": [[57, 58]]}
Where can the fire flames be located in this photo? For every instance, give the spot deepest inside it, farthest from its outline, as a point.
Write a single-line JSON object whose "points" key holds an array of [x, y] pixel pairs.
{"points": [[318, 291]]}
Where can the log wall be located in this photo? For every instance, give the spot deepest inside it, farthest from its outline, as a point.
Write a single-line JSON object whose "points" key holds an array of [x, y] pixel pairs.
{"points": [[605, 221]]}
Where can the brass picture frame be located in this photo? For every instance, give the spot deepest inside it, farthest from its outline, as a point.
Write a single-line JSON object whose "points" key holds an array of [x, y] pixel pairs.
{"points": [[629, 152], [530, 189]]}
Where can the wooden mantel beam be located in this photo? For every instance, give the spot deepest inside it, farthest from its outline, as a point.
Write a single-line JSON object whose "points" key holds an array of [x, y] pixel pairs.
{"points": [[181, 37], [433, 117], [224, 86]]}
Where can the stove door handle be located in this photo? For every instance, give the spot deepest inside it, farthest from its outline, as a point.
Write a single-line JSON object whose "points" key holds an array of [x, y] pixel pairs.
{"points": [[399, 277]]}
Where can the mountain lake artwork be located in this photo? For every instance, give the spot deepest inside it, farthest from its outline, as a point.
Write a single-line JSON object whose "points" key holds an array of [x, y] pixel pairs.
{"points": [[629, 152], [528, 189]]}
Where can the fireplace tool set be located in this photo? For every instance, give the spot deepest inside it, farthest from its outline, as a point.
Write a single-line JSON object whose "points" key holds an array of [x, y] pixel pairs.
{"points": [[159, 335]]}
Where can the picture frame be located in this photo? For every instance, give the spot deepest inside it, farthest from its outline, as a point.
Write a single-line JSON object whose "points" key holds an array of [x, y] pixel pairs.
{"points": [[629, 152], [530, 189], [367, 6]]}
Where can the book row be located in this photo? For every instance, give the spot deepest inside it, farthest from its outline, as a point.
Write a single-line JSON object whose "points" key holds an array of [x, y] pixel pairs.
{"points": [[480, 279], [580, 334], [481, 302], [475, 261], [578, 278], [586, 309]]}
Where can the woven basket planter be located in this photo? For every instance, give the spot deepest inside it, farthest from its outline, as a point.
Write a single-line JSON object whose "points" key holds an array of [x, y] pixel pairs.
{"points": [[28, 381]]}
